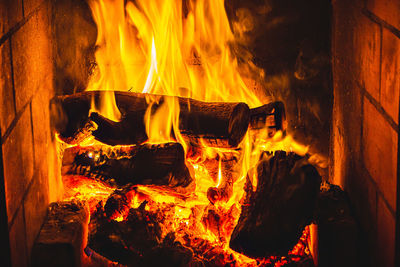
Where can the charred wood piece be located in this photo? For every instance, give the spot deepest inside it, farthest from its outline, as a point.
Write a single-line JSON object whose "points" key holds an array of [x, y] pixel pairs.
{"points": [[224, 191], [270, 116], [125, 242], [63, 236], [217, 124], [274, 216], [118, 203], [161, 164], [171, 253]]}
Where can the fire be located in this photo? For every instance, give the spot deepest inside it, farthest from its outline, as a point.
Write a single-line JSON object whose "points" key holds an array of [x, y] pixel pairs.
{"points": [[179, 49]]}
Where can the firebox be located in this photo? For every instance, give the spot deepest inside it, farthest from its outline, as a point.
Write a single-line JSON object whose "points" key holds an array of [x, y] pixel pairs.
{"points": [[199, 133]]}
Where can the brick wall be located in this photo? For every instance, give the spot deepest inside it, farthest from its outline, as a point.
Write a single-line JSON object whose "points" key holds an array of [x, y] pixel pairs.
{"points": [[26, 83], [366, 75]]}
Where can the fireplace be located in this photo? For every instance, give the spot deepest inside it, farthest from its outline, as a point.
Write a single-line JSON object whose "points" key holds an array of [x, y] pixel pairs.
{"points": [[332, 65]]}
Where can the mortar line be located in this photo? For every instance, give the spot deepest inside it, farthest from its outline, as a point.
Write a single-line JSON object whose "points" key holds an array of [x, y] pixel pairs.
{"points": [[14, 216], [19, 24], [380, 109], [23, 8], [33, 136], [4, 231], [26, 237], [397, 218], [378, 190], [381, 22], [12, 77], [14, 122], [380, 62]]}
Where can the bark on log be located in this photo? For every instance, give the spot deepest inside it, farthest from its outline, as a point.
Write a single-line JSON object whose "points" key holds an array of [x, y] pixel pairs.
{"points": [[218, 124], [270, 116], [161, 164], [274, 216]]}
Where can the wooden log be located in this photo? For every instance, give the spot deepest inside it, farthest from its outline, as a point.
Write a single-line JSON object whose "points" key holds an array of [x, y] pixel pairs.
{"points": [[63, 236], [137, 240], [270, 116], [217, 124], [127, 241], [224, 191], [161, 164], [118, 203], [274, 216]]}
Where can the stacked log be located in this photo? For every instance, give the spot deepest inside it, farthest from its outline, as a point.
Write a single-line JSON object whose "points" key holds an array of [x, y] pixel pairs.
{"points": [[156, 164], [216, 124]]}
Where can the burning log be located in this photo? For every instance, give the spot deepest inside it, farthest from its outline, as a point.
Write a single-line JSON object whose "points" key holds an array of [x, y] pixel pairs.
{"points": [[118, 203], [274, 216], [137, 240], [216, 124], [63, 236], [171, 253], [127, 241], [224, 191], [270, 116], [161, 164]]}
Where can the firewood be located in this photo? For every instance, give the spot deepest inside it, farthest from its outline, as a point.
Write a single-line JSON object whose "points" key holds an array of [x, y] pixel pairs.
{"points": [[118, 203], [224, 191], [270, 116], [161, 164], [63, 235], [274, 216], [137, 240], [125, 242], [217, 124]]}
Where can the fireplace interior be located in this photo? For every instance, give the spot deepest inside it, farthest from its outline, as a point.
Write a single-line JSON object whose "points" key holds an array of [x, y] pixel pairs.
{"points": [[295, 165]]}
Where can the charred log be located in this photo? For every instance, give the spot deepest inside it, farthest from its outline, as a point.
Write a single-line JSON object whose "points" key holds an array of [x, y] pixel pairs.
{"points": [[118, 203], [63, 235], [224, 191], [270, 116], [161, 164], [171, 253], [125, 242], [137, 240], [217, 124], [274, 216]]}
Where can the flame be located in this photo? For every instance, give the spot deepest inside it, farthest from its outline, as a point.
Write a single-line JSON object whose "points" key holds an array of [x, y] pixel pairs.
{"points": [[219, 174], [179, 49]]}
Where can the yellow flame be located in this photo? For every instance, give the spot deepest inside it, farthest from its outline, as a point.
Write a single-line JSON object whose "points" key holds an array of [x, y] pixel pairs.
{"points": [[219, 174]]}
